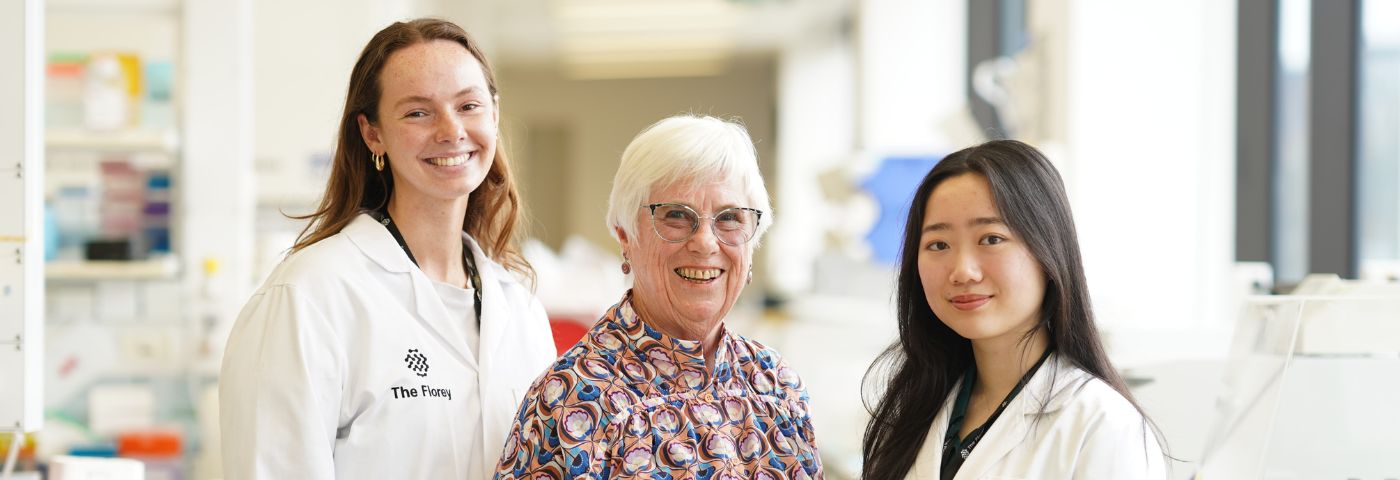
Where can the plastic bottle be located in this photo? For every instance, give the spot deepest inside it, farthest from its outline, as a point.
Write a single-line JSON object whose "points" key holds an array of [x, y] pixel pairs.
{"points": [[106, 104], [209, 316]]}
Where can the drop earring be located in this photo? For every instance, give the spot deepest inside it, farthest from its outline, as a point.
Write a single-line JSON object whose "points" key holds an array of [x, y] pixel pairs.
{"points": [[626, 266], [378, 161]]}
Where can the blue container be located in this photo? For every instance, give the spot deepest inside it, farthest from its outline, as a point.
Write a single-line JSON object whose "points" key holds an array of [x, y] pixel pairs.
{"points": [[50, 234]]}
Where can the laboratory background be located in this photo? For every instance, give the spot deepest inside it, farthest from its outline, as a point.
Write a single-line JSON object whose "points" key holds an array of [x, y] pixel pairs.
{"points": [[1233, 166]]}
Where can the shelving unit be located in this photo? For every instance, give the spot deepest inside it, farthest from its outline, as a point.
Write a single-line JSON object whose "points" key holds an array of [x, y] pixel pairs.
{"points": [[122, 141], [146, 321], [159, 268], [152, 31]]}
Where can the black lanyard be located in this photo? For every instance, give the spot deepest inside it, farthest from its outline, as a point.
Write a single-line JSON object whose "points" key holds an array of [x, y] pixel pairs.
{"points": [[955, 451], [383, 217]]}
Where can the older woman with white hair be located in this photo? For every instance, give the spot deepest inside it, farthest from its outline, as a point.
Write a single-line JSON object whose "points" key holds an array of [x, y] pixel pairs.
{"points": [[659, 388]]}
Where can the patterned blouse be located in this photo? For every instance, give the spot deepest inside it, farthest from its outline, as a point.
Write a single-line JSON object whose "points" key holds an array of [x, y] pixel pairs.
{"points": [[631, 402]]}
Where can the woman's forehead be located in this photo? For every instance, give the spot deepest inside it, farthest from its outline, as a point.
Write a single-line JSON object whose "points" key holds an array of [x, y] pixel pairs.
{"points": [[695, 192]]}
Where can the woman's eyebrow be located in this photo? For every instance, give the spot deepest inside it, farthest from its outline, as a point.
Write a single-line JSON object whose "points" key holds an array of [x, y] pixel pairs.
{"points": [[420, 98], [979, 221]]}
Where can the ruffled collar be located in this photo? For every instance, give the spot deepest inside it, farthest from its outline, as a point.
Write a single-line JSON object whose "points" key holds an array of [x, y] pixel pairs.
{"points": [[673, 358]]}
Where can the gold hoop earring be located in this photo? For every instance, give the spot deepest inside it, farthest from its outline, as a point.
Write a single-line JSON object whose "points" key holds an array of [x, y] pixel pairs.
{"points": [[378, 161]]}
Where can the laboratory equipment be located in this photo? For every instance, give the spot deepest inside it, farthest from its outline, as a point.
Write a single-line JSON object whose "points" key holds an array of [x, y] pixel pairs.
{"points": [[1310, 389]]}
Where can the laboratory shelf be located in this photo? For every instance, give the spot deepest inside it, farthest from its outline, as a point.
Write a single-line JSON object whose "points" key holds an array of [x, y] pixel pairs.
{"points": [[157, 268], [117, 6], [161, 141]]}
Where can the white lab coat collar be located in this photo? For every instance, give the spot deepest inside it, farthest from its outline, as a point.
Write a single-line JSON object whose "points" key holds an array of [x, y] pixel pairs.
{"points": [[1056, 380], [379, 245]]}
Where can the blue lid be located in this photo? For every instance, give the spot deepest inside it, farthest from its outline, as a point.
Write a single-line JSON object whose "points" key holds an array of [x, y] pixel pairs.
{"points": [[158, 180], [101, 450]]}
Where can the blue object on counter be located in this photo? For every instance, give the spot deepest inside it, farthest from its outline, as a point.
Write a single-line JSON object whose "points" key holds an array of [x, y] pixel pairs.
{"points": [[893, 186], [101, 450]]}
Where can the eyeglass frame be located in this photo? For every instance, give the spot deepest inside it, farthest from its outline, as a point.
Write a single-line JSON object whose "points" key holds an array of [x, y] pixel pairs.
{"points": [[757, 220]]}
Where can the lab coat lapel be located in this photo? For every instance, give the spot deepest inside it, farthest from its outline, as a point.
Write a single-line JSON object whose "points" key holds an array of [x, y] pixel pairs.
{"points": [[376, 243], [1006, 433], [1048, 391], [929, 462], [434, 315], [495, 314], [1012, 428]]}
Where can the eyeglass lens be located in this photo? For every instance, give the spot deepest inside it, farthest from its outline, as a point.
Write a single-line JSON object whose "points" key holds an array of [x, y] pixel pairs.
{"points": [[676, 223]]}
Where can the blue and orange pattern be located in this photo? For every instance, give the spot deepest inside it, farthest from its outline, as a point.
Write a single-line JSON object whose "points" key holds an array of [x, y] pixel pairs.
{"points": [[628, 401]]}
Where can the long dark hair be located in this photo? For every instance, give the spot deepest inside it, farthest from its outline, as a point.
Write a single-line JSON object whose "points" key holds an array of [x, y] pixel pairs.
{"points": [[929, 357], [493, 209]]}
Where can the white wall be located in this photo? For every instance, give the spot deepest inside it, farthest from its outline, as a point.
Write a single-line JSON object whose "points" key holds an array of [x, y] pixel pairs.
{"points": [[1149, 162], [303, 53], [600, 117], [912, 65]]}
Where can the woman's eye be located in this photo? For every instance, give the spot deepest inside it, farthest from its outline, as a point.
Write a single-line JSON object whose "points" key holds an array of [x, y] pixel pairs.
{"points": [[416, 114], [993, 239], [470, 106], [937, 245]]}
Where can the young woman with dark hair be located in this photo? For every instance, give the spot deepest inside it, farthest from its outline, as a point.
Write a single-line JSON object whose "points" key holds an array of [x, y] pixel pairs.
{"points": [[999, 370]]}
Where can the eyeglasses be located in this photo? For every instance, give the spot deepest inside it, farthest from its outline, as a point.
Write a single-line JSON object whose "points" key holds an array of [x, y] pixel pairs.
{"points": [[676, 223]]}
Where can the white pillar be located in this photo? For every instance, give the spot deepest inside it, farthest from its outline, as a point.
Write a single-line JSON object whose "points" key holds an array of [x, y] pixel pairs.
{"points": [[913, 59], [21, 212], [215, 182], [816, 133], [1149, 165]]}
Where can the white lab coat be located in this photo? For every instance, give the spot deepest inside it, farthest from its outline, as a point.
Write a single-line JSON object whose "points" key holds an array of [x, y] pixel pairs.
{"points": [[345, 364], [1086, 430]]}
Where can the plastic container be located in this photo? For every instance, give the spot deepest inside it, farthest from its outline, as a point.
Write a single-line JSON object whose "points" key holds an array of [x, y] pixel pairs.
{"points": [[160, 450], [156, 213], [106, 103], [75, 219]]}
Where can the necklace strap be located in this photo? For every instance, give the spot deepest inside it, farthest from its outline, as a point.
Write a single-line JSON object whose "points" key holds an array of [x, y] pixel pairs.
{"points": [[956, 450], [382, 216]]}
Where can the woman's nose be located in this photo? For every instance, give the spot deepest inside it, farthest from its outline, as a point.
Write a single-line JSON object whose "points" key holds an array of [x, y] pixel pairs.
{"points": [[965, 269], [704, 240], [450, 129]]}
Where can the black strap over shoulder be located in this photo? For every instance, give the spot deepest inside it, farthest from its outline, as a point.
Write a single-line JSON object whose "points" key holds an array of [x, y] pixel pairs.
{"points": [[382, 216]]}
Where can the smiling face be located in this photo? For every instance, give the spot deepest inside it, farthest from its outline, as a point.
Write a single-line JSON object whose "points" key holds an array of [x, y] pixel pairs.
{"points": [[978, 276], [437, 122], [686, 288]]}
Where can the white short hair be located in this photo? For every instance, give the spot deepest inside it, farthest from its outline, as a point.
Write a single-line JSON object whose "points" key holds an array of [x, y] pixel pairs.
{"points": [[686, 149]]}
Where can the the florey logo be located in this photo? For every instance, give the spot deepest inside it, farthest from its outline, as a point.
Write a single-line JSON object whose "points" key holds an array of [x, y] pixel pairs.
{"points": [[417, 362]]}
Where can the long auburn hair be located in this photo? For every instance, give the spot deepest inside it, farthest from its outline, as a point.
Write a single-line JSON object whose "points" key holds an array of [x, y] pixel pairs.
{"points": [[919, 370], [493, 209]]}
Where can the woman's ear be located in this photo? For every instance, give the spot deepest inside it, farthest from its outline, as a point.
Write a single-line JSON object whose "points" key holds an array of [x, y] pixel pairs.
{"points": [[371, 135], [622, 238], [496, 112]]}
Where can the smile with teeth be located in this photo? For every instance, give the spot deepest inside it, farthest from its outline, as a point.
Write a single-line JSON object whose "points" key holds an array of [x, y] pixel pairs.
{"points": [[699, 274], [450, 161]]}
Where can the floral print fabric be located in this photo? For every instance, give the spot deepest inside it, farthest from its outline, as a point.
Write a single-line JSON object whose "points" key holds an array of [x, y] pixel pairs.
{"points": [[631, 402]]}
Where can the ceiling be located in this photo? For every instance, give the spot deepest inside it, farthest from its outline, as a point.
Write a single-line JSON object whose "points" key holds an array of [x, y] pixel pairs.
{"points": [[643, 38]]}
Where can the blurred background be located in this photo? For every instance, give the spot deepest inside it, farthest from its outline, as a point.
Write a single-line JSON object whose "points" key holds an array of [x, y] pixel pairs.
{"points": [[1212, 150]]}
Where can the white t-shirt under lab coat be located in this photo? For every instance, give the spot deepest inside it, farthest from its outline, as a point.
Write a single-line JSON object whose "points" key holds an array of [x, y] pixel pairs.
{"points": [[349, 363], [462, 302]]}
